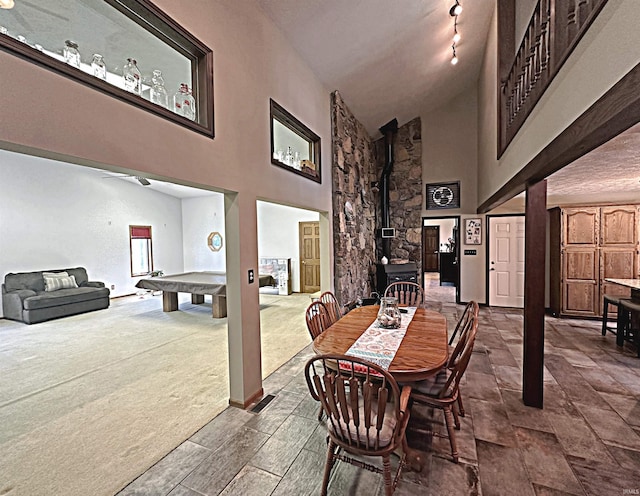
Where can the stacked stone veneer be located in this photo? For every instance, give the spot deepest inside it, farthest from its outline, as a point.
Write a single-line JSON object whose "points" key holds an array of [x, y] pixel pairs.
{"points": [[357, 163], [405, 193], [353, 171]]}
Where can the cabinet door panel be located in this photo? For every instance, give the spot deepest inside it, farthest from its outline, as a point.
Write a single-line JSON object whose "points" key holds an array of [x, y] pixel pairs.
{"points": [[618, 226], [580, 264], [580, 298], [617, 264], [580, 226]]}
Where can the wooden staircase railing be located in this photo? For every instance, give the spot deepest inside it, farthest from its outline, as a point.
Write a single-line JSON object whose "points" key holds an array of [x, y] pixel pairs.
{"points": [[553, 32]]}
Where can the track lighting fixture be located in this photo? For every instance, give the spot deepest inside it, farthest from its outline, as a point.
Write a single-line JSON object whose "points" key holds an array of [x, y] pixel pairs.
{"points": [[454, 11]]}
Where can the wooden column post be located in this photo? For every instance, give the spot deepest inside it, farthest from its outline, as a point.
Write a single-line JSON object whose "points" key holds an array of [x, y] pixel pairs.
{"points": [[534, 271]]}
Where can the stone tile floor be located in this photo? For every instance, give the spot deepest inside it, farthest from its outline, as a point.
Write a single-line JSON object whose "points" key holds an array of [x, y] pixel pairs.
{"points": [[585, 441]]}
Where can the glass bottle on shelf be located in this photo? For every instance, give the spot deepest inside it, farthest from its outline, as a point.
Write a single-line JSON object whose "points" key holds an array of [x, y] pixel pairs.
{"points": [[132, 77], [183, 102], [288, 158], [71, 54], [98, 67], [296, 161], [158, 93]]}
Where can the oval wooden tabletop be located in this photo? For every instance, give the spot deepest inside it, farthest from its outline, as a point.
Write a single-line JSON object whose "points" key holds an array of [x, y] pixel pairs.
{"points": [[424, 349]]}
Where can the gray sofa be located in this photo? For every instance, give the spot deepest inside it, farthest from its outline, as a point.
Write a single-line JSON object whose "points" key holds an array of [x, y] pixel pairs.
{"points": [[24, 297]]}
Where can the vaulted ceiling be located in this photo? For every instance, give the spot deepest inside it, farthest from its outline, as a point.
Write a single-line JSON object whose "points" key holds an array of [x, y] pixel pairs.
{"points": [[387, 58]]}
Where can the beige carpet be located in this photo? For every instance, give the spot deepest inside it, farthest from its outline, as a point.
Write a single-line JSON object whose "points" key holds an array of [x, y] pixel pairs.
{"points": [[89, 402]]}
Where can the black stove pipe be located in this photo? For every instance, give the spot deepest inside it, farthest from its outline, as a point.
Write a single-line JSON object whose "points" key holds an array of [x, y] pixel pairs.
{"points": [[389, 131]]}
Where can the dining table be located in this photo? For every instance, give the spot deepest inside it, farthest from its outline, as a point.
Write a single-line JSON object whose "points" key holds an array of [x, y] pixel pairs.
{"points": [[634, 285], [422, 351]]}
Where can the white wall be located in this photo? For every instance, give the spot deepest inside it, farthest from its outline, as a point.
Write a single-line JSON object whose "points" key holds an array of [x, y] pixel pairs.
{"points": [[57, 215], [278, 234], [473, 267], [200, 217], [450, 153], [450, 150]]}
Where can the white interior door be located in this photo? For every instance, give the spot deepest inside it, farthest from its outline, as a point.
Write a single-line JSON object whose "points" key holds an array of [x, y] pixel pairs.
{"points": [[506, 262]]}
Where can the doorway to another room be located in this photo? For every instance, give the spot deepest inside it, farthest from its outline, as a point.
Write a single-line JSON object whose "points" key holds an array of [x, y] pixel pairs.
{"points": [[440, 256]]}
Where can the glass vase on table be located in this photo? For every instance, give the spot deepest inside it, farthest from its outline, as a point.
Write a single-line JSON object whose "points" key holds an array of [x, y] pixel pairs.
{"points": [[389, 314]]}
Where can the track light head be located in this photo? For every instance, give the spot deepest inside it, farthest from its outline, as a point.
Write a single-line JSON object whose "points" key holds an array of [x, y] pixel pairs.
{"points": [[455, 9]]}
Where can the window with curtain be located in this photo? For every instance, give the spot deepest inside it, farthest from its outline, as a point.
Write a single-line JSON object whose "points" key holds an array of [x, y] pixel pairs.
{"points": [[141, 253]]}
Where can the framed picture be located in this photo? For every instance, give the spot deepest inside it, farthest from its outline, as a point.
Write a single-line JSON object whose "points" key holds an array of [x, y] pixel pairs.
{"points": [[473, 231]]}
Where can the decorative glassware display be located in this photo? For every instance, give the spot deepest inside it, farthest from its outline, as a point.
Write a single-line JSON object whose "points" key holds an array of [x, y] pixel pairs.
{"points": [[158, 93], [183, 102], [389, 315], [98, 67], [288, 158], [71, 54], [132, 77]]}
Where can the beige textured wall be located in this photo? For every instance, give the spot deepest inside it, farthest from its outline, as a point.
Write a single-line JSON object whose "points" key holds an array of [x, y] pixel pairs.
{"points": [[46, 114]]}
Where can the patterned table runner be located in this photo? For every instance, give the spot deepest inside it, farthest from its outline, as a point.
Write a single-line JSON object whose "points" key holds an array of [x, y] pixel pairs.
{"points": [[379, 345]]}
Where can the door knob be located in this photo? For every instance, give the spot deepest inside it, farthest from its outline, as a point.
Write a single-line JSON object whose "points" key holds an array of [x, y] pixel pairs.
{"points": [[304, 261]]}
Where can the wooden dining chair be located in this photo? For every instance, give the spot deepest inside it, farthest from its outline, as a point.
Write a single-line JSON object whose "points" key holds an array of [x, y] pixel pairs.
{"points": [[442, 391], [367, 414], [465, 323], [317, 317], [408, 293], [333, 307]]}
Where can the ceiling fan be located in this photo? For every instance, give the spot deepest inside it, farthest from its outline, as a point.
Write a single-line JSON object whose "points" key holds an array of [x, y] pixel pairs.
{"points": [[142, 180]]}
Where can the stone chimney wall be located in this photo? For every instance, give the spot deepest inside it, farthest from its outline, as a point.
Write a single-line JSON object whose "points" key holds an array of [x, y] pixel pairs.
{"points": [[405, 193], [353, 172]]}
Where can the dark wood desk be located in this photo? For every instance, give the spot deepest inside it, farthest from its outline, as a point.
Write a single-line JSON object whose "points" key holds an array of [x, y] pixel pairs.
{"points": [[424, 349]]}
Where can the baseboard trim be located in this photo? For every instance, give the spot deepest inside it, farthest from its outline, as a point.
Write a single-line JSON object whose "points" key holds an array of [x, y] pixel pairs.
{"points": [[248, 402]]}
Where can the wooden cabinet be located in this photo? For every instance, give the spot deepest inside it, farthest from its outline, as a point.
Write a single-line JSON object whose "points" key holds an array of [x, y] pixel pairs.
{"points": [[448, 268], [587, 245]]}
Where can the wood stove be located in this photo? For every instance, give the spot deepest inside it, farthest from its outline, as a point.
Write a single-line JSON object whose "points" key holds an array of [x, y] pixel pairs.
{"points": [[388, 273]]}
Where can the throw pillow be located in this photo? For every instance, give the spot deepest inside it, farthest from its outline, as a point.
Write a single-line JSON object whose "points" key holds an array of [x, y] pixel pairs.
{"points": [[56, 283], [55, 274]]}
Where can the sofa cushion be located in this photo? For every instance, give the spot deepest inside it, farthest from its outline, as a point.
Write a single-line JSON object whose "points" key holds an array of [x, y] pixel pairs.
{"points": [[24, 280], [55, 274], [64, 297], [59, 282], [80, 274]]}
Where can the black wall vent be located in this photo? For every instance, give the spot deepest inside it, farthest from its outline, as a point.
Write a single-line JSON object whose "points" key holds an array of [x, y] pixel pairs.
{"points": [[443, 195]]}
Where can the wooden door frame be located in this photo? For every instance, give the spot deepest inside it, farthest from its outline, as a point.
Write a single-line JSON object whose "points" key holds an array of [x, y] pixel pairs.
{"points": [[457, 240], [487, 254]]}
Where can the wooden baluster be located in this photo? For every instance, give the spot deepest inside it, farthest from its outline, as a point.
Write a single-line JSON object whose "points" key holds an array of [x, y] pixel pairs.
{"points": [[536, 50], [572, 26], [527, 64], [584, 8], [544, 42]]}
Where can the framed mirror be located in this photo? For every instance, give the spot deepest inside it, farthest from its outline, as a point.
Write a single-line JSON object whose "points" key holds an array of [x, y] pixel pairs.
{"points": [[214, 241]]}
